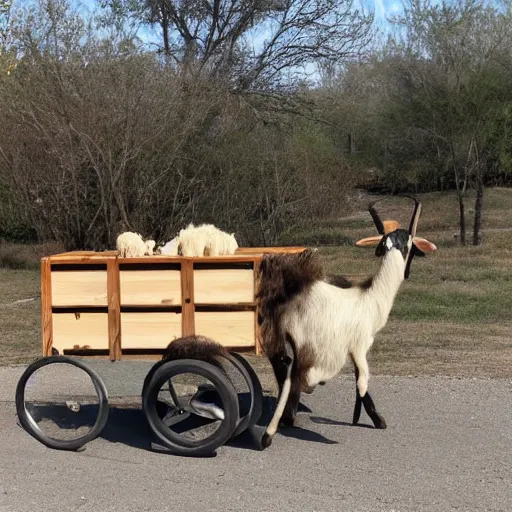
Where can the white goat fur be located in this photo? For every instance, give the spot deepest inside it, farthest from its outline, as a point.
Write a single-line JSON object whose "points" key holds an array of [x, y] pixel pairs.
{"points": [[337, 322], [131, 245], [205, 240]]}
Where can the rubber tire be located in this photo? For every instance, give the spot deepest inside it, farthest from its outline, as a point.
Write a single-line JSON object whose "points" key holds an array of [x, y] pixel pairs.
{"points": [[31, 427], [254, 385], [174, 442]]}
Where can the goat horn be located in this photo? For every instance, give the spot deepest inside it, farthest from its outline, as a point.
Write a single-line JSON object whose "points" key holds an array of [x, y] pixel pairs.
{"points": [[415, 216], [376, 218]]}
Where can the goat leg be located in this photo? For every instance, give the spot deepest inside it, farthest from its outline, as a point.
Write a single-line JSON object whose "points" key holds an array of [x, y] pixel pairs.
{"points": [[292, 405], [287, 362], [357, 407], [369, 406]]}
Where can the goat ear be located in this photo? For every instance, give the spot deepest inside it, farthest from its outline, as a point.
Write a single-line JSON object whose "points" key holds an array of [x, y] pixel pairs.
{"points": [[371, 240], [423, 245]]}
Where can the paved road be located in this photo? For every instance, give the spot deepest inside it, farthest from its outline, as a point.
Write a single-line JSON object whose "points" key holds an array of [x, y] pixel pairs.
{"points": [[448, 447]]}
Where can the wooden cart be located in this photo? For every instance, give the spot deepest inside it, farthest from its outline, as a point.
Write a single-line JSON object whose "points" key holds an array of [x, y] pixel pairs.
{"points": [[101, 305]]}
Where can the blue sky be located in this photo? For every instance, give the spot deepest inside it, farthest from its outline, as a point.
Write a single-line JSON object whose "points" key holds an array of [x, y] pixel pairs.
{"points": [[382, 8]]}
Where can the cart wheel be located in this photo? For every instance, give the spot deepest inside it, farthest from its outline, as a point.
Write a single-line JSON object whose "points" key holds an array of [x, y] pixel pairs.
{"points": [[252, 412], [194, 416], [63, 407]]}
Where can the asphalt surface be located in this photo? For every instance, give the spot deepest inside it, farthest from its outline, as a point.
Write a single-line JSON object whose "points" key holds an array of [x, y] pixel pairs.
{"points": [[448, 446]]}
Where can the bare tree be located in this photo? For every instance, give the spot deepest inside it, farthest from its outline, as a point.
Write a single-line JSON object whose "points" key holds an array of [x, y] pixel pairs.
{"points": [[253, 42]]}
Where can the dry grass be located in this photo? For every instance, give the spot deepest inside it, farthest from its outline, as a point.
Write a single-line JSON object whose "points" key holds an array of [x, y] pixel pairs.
{"points": [[25, 256], [20, 322], [452, 317]]}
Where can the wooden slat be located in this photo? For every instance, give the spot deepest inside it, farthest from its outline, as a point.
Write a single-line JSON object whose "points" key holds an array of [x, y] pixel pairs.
{"points": [[149, 330], [228, 328], [241, 254], [217, 308], [150, 287], [223, 286], [232, 258], [187, 298], [82, 329], [140, 355], [79, 288], [261, 250], [114, 312], [83, 257], [257, 330], [46, 306]]}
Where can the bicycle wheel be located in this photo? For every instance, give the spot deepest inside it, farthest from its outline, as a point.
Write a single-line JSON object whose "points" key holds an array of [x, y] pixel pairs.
{"points": [[250, 394], [201, 406], [61, 402]]}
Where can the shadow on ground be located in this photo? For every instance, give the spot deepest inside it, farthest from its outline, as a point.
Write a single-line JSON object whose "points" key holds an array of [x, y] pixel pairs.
{"points": [[128, 425]]}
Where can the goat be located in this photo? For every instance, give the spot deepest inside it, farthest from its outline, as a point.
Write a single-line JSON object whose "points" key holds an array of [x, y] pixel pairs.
{"points": [[309, 325], [131, 245]]}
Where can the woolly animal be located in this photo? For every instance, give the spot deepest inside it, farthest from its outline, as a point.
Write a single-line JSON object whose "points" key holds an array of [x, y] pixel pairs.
{"points": [[205, 240], [311, 324], [131, 245], [170, 248]]}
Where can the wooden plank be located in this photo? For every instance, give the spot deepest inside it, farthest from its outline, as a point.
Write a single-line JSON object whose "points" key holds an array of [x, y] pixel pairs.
{"points": [[223, 286], [234, 258], [150, 287], [79, 288], [218, 308], [46, 307], [261, 250], [228, 328], [114, 313], [139, 356], [149, 330], [257, 330], [241, 254], [187, 298], [80, 329], [83, 257]]}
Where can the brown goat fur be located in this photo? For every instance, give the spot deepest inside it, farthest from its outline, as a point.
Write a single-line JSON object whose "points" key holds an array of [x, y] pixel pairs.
{"points": [[188, 347], [281, 278], [194, 347], [345, 283]]}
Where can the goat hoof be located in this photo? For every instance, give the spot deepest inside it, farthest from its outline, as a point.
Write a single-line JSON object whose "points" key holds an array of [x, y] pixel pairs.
{"points": [[266, 441], [303, 408], [287, 422], [380, 423]]}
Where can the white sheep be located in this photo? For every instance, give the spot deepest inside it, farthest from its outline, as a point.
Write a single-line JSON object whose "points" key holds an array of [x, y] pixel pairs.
{"points": [[131, 245], [205, 240]]}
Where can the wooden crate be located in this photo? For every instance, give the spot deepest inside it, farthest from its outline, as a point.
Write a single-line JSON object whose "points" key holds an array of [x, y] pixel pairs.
{"points": [[98, 304]]}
